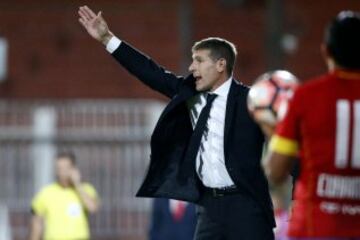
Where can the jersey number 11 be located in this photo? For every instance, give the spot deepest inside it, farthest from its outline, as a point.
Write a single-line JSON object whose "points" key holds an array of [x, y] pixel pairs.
{"points": [[344, 131]]}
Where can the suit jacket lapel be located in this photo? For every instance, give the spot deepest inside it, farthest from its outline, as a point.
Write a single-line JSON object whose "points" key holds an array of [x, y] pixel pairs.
{"points": [[185, 94], [187, 91], [230, 111]]}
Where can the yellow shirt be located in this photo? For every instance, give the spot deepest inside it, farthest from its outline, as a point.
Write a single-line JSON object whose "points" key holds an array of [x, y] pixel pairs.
{"points": [[64, 215]]}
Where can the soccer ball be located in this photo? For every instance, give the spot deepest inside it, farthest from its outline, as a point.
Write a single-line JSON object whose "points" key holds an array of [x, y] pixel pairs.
{"points": [[269, 95]]}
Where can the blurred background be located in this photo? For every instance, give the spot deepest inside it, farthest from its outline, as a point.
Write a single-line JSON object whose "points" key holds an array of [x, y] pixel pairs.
{"points": [[60, 89]]}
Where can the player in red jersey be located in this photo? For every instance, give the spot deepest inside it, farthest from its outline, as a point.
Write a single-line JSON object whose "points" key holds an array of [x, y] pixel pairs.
{"points": [[323, 123]]}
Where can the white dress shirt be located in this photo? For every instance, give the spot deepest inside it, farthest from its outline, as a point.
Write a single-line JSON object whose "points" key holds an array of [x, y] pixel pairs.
{"points": [[214, 172], [113, 44]]}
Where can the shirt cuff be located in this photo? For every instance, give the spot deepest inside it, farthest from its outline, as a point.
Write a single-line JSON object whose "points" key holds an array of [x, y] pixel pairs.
{"points": [[113, 44]]}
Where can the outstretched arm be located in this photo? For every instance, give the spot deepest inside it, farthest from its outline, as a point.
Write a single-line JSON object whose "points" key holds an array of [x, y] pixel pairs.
{"points": [[137, 63]]}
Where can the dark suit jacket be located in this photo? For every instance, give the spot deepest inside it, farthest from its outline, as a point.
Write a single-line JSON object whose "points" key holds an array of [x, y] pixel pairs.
{"points": [[169, 174], [163, 225]]}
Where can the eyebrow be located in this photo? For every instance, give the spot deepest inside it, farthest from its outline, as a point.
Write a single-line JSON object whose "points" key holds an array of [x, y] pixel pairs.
{"points": [[197, 57]]}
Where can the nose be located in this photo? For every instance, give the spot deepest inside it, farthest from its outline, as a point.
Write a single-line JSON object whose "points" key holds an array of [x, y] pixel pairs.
{"points": [[191, 67]]}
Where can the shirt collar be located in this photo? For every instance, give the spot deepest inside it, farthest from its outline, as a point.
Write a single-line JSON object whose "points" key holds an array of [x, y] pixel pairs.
{"points": [[223, 89], [346, 74]]}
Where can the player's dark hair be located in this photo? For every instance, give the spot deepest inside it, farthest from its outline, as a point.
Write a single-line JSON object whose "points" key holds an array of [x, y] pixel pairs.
{"points": [[68, 155], [219, 48], [342, 39]]}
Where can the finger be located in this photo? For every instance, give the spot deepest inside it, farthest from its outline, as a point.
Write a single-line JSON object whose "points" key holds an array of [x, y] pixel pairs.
{"points": [[99, 15], [82, 22], [89, 11], [83, 11], [84, 16]]}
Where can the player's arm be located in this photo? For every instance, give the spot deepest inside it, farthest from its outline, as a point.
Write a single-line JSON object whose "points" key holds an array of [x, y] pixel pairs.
{"points": [[138, 64], [90, 202], [36, 227], [280, 159]]}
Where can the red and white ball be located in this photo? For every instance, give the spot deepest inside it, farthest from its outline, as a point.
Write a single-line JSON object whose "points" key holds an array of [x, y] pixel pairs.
{"points": [[269, 95]]}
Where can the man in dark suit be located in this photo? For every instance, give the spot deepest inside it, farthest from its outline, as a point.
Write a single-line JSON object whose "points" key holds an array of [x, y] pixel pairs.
{"points": [[172, 219], [205, 147]]}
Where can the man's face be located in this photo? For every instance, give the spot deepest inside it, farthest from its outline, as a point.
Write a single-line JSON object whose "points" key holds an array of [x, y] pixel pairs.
{"points": [[207, 72], [63, 168]]}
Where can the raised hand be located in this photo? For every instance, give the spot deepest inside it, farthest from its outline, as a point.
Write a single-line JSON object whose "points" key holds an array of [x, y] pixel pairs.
{"points": [[94, 24], [75, 177]]}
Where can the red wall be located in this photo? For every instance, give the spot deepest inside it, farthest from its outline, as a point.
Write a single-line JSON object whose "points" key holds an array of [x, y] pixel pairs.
{"points": [[51, 56], [307, 18]]}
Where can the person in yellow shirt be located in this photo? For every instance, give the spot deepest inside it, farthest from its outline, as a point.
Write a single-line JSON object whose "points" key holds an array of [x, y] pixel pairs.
{"points": [[60, 210]]}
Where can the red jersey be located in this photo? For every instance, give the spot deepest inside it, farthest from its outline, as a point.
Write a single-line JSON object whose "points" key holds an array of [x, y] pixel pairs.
{"points": [[324, 120]]}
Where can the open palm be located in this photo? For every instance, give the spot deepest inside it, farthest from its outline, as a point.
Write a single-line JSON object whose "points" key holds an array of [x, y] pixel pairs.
{"points": [[94, 24]]}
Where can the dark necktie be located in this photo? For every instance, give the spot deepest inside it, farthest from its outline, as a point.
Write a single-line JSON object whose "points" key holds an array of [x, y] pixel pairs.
{"points": [[194, 143]]}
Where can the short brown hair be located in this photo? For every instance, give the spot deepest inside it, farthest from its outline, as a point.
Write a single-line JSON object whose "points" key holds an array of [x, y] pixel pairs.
{"points": [[68, 155], [219, 48]]}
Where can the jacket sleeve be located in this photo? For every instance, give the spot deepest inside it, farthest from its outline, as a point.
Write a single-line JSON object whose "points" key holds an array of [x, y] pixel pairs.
{"points": [[147, 70]]}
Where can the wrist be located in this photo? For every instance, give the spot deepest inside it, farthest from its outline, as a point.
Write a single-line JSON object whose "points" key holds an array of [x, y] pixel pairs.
{"points": [[106, 38]]}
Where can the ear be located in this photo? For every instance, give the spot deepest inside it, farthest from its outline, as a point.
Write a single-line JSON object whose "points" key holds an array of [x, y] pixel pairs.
{"points": [[324, 51], [221, 65], [327, 57]]}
